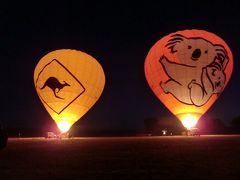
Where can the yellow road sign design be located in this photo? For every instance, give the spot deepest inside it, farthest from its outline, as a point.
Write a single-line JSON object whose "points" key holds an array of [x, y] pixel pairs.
{"points": [[56, 81]]}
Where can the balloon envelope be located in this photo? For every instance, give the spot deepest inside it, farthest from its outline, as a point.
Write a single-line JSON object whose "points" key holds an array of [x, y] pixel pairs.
{"points": [[68, 82], [187, 70]]}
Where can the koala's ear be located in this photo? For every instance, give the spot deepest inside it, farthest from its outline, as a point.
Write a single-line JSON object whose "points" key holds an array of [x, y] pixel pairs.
{"points": [[221, 55], [174, 41]]}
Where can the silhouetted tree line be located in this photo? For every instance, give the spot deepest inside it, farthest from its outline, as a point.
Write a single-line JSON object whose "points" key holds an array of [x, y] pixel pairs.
{"points": [[155, 126], [235, 125], [24, 132], [212, 126]]}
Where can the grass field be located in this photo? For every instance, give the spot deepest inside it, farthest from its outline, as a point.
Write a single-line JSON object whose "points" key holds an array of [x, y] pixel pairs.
{"points": [[170, 157]]}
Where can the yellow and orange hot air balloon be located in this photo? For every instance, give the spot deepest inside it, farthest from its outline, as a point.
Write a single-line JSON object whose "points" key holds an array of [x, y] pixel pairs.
{"points": [[68, 82], [187, 70]]}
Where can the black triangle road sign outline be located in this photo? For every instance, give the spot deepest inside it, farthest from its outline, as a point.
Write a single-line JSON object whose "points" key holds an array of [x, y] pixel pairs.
{"points": [[84, 89]]}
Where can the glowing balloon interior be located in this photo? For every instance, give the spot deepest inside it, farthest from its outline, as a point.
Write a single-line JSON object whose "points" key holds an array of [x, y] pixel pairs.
{"points": [[68, 82], [187, 70]]}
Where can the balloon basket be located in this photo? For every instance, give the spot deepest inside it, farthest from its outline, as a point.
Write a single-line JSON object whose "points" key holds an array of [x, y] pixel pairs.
{"points": [[63, 135], [193, 132]]}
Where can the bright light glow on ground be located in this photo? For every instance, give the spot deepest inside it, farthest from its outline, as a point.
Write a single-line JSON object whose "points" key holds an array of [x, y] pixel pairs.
{"points": [[64, 126], [189, 121]]}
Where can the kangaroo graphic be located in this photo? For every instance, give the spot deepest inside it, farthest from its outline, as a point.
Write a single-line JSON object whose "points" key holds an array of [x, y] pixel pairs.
{"points": [[54, 84]]}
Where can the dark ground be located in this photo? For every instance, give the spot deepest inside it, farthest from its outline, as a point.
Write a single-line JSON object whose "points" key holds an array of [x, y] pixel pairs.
{"points": [[172, 157]]}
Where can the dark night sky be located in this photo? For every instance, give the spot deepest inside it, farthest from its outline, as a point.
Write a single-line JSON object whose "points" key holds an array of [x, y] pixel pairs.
{"points": [[119, 36]]}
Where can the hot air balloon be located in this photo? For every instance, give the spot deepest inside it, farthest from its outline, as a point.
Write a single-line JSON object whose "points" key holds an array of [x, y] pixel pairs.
{"points": [[68, 83], [187, 70]]}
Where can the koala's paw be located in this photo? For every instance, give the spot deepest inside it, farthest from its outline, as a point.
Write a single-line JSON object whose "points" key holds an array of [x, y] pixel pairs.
{"points": [[162, 59], [164, 87], [191, 83]]}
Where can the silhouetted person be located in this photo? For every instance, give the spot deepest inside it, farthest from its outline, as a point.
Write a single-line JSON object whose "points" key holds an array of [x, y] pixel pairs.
{"points": [[3, 137]]}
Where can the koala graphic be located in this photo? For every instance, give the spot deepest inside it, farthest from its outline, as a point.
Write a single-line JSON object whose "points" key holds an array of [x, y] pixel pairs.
{"points": [[200, 71]]}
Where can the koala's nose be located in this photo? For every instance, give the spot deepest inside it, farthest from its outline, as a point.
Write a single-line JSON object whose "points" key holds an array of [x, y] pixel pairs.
{"points": [[196, 53]]}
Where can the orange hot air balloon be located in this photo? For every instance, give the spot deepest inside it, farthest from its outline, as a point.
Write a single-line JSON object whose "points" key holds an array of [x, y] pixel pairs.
{"points": [[187, 70], [68, 82]]}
